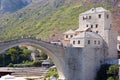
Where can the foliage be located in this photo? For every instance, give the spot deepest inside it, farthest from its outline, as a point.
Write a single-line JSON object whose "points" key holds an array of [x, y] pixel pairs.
{"points": [[51, 72], [110, 78], [10, 65], [40, 20], [14, 55], [37, 63], [107, 72], [43, 55], [101, 74], [30, 79]]}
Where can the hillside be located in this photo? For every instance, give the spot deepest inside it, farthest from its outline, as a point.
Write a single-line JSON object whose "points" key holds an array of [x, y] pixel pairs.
{"points": [[49, 18], [12, 5]]}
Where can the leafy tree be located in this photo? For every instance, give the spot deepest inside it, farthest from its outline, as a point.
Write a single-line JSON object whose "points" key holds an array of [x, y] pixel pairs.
{"points": [[51, 72], [110, 78], [14, 54], [113, 71], [10, 65], [107, 72], [101, 74], [37, 63], [43, 55]]}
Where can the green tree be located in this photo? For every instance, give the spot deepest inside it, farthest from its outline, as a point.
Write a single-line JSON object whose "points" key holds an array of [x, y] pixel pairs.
{"points": [[14, 54], [37, 63], [52, 72], [43, 55], [10, 65], [110, 78], [113, 71]]}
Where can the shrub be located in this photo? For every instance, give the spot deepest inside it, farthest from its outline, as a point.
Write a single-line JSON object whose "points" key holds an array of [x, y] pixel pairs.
{"points": [[51, 72], [37, 63], [11, 65]]}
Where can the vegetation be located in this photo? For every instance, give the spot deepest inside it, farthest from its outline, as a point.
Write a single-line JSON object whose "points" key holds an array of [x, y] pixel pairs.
{"points": [[14, 55], [51, 72], [20, 57], [43, 19], [108, 72]]}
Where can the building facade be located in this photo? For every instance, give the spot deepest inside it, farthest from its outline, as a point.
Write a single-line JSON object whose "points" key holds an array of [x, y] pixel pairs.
{"points": [[95, 30]]}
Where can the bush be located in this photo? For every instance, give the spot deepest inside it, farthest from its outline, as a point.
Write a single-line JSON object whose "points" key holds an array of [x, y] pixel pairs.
{"points": [[107, 72], [11, 65], [37, 63], [29, 79], [51, 72], [110, 78]]}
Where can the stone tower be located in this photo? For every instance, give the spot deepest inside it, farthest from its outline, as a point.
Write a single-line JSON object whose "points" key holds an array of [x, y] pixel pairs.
{"points": [[99, 20]]}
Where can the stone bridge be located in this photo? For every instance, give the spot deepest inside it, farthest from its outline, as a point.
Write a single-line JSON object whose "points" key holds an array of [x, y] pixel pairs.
{"points": [[72, 63]]}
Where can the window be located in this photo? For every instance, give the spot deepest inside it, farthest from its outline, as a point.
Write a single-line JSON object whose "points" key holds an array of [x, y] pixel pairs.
{"points": [[91, 26], [83, 18], [78, 42], [73, 42], [94, 42], [66, 36], [107, 16], [88, 41], [99, 42], [89, 17], [96, 25], [71, 36], [99, 15], [87, 25], [96, 31]]}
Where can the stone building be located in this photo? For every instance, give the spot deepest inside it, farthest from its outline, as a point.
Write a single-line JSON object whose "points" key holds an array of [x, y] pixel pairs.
{"points": [[96, 39], [95, 30]]}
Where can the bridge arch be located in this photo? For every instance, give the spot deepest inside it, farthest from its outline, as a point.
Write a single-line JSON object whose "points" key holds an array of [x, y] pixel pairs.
{"points": [[56, 53]]}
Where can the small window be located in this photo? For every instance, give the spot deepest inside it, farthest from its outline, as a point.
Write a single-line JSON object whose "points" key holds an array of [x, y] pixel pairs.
{"points": [[94, 42], [99, 42], [88, 41], [89, 17], [96, 25], [87, 25], [96, 31], [99, 15], [83, 18], [107, 16], [71, 36], [91, 26], [66, 36], [73, 42], [78, 42]]}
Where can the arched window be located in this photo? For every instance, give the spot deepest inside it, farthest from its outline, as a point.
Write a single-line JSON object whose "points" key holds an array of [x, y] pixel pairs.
{"points": [[107, 16], [73, 42], [88, 41], [71, 36], [79, 42], [66, 36], [90, 17], [87, 25], [96, 25], [96, 31], [95, 42], [91, 26], [99, 16]]}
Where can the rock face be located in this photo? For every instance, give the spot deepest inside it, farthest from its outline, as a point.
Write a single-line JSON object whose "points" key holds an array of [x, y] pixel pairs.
{"points": [[12, 5]]}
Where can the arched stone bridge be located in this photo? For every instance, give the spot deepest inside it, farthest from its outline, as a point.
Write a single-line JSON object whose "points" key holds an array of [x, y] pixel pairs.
{"points": [[71, 63]]}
